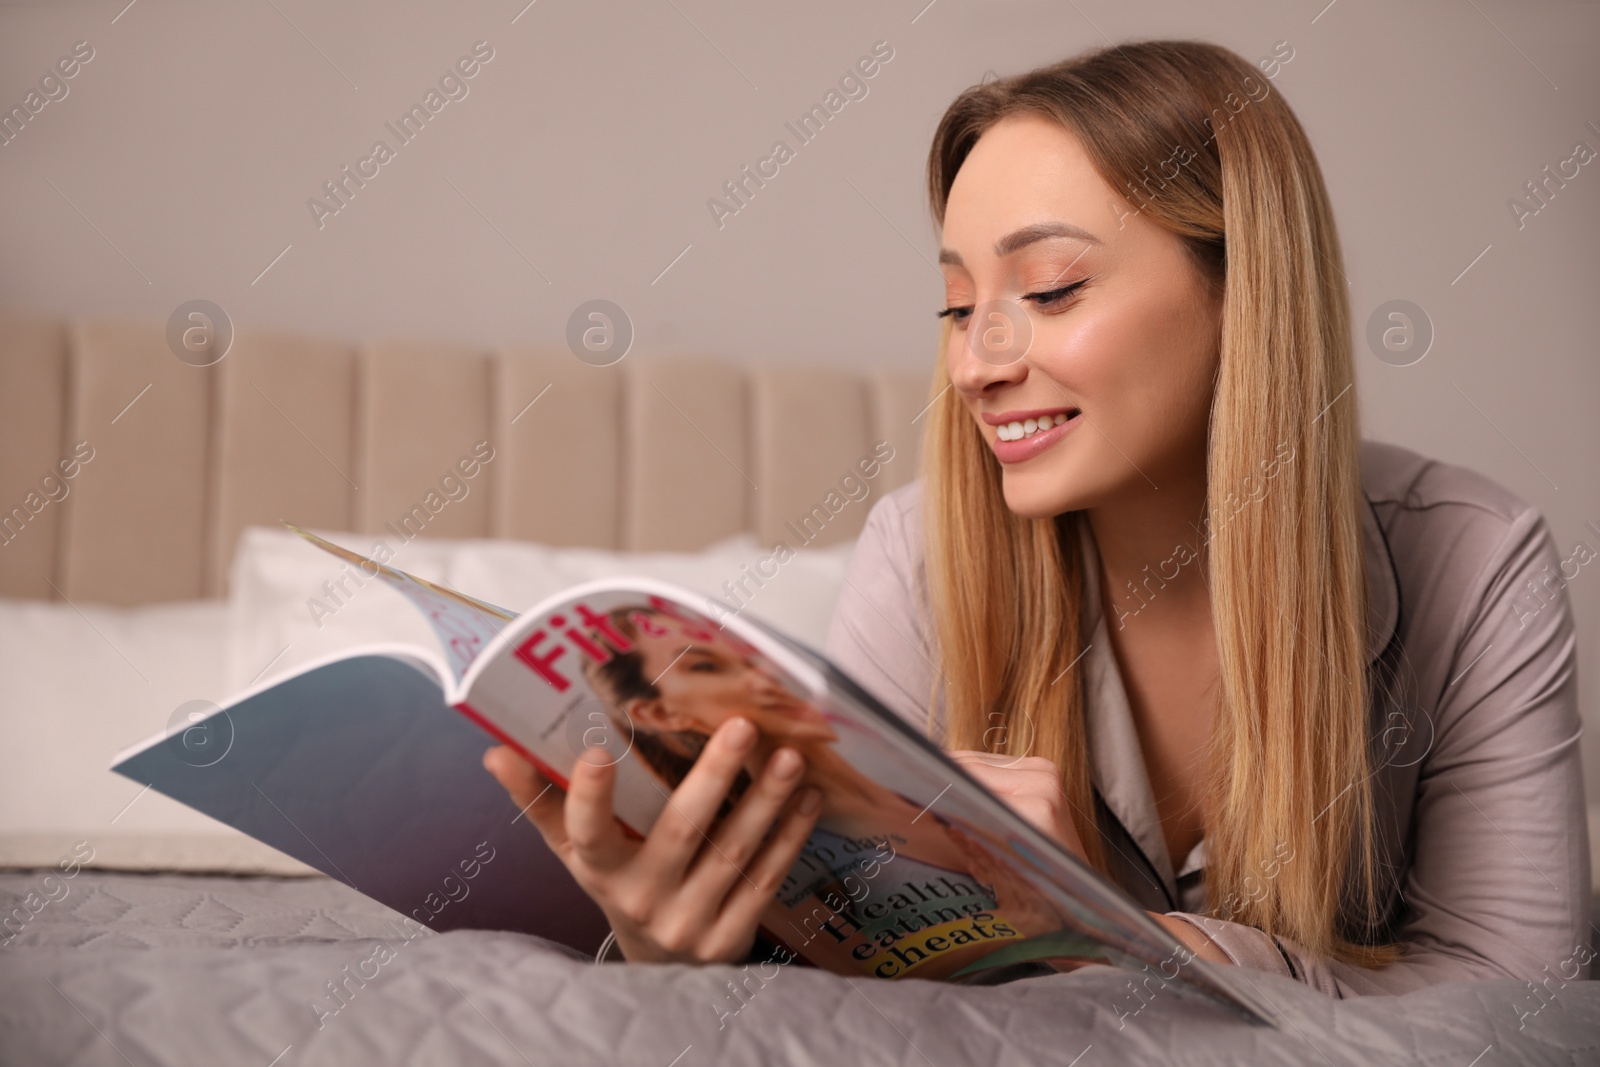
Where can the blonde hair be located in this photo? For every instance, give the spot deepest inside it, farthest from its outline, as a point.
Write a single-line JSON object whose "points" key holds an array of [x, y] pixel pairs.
{"points": [[1289, 764]]}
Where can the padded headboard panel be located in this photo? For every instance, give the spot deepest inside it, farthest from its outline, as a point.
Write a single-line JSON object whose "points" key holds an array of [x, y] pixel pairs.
{"points": [[169, 462]]}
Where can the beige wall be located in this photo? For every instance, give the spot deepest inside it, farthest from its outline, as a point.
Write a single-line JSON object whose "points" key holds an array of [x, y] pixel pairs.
{"points": [[580, 163]]}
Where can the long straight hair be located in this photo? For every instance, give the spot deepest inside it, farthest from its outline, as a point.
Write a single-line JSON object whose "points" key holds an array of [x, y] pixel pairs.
{"points": [[1194, 138]]}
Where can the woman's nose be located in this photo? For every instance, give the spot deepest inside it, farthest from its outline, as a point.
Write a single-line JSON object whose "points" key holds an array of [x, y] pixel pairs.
{"points": [[763, 682], [991, 347]]}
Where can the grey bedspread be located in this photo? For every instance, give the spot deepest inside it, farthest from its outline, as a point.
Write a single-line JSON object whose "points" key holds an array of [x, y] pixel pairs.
{"points": [[170, 969]]}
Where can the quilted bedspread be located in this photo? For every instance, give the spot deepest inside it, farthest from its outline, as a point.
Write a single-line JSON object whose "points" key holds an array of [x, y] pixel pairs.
{"points": [[172, 969]]}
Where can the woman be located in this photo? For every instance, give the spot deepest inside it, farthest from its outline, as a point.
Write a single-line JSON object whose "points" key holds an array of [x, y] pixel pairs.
{"points": [[1311, 701]]}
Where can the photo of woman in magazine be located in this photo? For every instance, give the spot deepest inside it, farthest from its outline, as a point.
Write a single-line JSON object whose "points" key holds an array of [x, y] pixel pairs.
{"points": [[886, 884]]}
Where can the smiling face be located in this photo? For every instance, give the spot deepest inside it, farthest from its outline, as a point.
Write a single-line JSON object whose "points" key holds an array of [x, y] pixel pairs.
{"points": [[1090, 361], [703, 683]]}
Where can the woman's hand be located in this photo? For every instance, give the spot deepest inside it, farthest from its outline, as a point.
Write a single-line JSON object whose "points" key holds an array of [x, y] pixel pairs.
{"points": [[1193, 938], [693, 890], [1031, 785]]}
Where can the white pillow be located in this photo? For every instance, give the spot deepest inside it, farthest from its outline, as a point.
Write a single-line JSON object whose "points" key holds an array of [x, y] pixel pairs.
{"points": [[284, 615], [77, 685]]}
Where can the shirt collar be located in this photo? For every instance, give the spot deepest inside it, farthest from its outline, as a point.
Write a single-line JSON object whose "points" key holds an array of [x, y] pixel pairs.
{"points": [[1116, 759], [1383, 588], [1115, 755]]}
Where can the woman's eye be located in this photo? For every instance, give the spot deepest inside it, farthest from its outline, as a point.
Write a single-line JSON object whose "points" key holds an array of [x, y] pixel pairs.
{"points": [[1054, 296], [704, 666], [1049, 298]]}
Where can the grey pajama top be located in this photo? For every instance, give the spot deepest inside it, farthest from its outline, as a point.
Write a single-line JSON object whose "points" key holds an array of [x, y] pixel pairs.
{"points": [[1472, 663]]}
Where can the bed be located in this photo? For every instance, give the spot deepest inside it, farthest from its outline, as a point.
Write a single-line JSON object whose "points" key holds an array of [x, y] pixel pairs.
{"points": [[152, 578], [208, 970]]}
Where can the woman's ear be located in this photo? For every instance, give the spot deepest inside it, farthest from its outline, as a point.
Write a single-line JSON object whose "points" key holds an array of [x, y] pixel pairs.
{"points": [[651, 714], [655, 715]]}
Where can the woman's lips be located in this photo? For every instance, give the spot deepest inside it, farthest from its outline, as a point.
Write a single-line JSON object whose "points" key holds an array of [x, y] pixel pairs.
{"points": [[792, 708], [1033, 444]]}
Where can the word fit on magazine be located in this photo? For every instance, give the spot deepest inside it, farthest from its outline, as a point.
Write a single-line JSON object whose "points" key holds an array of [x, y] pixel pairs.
{"points": [[543, 649]]}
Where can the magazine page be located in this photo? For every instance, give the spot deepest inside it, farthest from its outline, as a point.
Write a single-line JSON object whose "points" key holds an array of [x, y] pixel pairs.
{"points": [[357, 766], [913, 870], [464, 625]]}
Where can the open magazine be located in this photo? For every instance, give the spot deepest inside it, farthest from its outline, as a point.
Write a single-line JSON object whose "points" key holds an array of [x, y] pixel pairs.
{"points": [[353, 765]]}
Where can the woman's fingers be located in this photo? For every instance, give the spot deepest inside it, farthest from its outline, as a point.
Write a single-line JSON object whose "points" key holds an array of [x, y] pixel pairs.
{"points": [[685, 824], [591, 826], [753, 894], [967, 756], [1009, 775], [994, 777], [1031, 786], [739, 838], [534, 794], [701, 917], [1002, 761], [516, 775], [697, 887]]}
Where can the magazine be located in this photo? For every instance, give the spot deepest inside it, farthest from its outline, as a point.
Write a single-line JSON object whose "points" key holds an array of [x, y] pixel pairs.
{"points": [[354, 765]]}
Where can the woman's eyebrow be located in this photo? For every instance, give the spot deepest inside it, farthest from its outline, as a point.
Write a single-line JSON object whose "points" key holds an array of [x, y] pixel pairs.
{"points": [[682, 652], [1027, 235], [701, 650]]}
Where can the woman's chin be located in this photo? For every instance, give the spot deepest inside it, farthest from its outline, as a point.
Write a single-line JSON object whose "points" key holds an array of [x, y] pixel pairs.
{"points": [[1027, 499]]}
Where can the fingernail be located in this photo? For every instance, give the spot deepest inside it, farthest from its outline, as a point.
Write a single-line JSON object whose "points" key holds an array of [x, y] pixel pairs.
{"points": [[787, 763], [596, 757], [811, 801], [739, 734]]}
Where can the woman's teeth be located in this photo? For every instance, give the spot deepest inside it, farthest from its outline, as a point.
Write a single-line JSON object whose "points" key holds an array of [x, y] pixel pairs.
{"points": [[1016, 431]]}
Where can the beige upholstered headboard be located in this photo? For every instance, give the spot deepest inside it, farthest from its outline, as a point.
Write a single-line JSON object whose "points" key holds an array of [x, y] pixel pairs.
{"points": [[652, 453]]}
